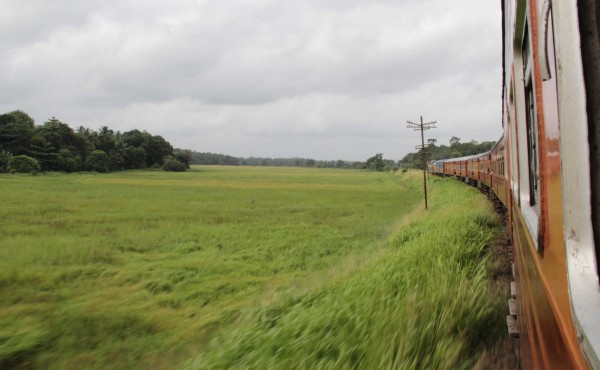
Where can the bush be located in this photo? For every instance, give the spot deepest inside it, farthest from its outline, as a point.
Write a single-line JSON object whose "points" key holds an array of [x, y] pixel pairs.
{"points": [[5, 158], [68, 161], [24, 164], [98, 161], [171, 163]]}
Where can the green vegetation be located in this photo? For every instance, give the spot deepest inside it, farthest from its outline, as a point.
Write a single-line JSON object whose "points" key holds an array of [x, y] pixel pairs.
{"points": [[23, 164], [421, 301], [242, 267], [454, 150], [57, 147], [172, 164], [376, 162]]}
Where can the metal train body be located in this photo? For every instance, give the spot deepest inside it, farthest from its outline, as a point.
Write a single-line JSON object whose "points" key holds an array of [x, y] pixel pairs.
{"points": [[545, 171]]}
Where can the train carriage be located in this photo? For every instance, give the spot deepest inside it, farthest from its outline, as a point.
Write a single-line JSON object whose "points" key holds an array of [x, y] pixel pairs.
{"points": [[545, 170], [543, 106]]}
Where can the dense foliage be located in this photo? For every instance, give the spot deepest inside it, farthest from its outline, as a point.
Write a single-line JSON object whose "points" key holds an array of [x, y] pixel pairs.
{"points": [[24, 164], [57, 147], [172, 164]]}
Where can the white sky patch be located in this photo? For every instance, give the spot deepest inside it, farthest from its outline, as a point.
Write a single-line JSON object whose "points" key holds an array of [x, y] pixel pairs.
{"points": [[324, 79]]}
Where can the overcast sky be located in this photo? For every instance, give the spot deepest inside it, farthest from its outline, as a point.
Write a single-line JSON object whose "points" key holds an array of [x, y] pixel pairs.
{"points": [[324, 79]]}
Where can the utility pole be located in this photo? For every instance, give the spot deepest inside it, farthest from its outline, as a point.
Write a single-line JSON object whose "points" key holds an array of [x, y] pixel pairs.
{"points": [[421, 127]]}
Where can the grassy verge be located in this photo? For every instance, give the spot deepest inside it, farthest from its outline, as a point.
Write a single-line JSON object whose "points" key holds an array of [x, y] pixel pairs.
{"points": [[422, 302]]}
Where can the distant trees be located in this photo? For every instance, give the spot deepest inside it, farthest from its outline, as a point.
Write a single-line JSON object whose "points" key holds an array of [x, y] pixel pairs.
{"points": [[204, 158], [55, 146], [455, 149], [376, 162]]}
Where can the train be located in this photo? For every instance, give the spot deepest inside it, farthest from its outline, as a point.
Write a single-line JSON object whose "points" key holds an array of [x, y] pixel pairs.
{"points": [[544, 171]]}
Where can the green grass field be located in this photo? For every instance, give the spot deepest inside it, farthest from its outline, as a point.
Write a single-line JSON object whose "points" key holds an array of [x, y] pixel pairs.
{"points": [[237, 267]]}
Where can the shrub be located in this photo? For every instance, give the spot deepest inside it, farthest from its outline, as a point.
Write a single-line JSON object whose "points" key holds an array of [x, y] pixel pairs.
{"points": [[4, 161], [24, 164], [68, 161], [171, 163], [98, 161]]}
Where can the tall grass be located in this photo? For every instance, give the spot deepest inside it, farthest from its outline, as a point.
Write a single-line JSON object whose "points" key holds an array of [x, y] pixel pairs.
{"points": [[423, 303], [254, 268], [142, 269]]}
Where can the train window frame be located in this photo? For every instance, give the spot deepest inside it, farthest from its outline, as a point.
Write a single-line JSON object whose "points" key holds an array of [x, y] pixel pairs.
{"points": [[524, 107], [531, 122]]}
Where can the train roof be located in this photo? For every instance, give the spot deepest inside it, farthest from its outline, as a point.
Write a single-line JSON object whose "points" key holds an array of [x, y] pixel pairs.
{"points": [[466, 158], [460, 159]]}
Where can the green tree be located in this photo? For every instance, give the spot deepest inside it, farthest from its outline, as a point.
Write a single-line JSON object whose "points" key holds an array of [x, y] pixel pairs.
{"points": [[58, 134], [56, 138], [85, 141], [157, 148], [376, 162], [16, 131], [171, 163], [106, 139], [134, 157], [136, 138], [184, 156], [69, 161], [44, 152], [98, 161]]}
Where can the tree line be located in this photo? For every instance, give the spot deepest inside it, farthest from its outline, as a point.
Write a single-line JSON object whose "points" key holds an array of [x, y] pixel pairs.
{"points": [[376, 162], [55, 146], [207, 158], [454, 150]]}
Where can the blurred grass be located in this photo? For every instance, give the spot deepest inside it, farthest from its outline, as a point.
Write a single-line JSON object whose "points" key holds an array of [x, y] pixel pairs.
{"points": [[424, 302], [143, 269]]}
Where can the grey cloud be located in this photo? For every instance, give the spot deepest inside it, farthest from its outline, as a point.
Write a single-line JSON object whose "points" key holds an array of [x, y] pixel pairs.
{"points": [[254, 70]]}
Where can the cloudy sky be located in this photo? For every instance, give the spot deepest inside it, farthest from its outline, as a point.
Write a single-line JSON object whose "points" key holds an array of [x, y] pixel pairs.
{"points": [[325, 79]]}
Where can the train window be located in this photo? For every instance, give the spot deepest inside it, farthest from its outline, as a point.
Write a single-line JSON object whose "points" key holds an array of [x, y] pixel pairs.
{"points": [[589, 17], [544, 55], [531, 122]]}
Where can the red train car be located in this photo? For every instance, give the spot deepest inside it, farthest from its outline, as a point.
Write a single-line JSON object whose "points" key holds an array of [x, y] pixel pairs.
{"points": [[547, 145], [545, 170]]}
